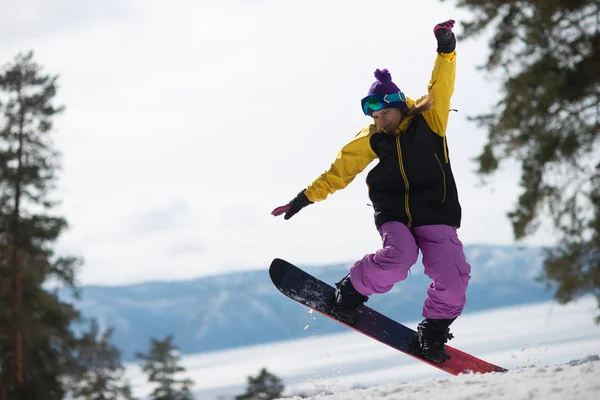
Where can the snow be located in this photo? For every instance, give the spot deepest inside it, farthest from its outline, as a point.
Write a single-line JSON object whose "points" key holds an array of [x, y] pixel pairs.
{"points": [[536, 342], [577, 381]]}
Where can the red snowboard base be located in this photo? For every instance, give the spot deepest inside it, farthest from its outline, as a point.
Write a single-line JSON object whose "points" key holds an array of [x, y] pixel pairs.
{"points": [[319, 296]]}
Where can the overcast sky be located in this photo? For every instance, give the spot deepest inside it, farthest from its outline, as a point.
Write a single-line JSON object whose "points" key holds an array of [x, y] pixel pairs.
{"points": [[187, 122]]}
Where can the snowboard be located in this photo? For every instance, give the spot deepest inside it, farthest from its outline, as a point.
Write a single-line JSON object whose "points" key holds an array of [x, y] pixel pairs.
{"points": [[319, 296]]}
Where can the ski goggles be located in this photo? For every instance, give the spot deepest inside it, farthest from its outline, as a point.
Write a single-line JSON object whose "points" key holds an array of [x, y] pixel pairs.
{"points": [[376, 102]]}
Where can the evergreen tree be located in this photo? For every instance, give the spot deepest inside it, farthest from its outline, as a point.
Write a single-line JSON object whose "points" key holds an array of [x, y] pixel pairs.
{"points": [[35, 338], [162, 364], [548, 120], [97, 371], [265, 386]]}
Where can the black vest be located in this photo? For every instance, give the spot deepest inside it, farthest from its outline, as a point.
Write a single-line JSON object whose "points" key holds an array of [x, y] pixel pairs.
{"points": [[413, 183]]}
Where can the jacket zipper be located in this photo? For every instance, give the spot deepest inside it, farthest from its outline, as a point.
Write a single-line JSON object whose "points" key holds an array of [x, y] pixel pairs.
{"points": [[403, 173], [443, 175]]}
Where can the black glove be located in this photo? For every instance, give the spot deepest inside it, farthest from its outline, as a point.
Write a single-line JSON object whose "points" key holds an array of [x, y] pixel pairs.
{"points": [[445, 37], [291, 208]]}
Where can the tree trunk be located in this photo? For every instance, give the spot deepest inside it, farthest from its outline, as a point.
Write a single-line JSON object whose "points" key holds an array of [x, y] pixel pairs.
{"points": [[15, 262], [15, 305]]}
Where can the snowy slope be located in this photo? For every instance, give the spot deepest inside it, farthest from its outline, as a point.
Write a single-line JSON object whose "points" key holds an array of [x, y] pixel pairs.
{"points": [[530, 340], [577, 380]]}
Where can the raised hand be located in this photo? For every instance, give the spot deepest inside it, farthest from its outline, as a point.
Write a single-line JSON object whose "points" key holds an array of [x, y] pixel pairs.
{"points": [[445, 37]]}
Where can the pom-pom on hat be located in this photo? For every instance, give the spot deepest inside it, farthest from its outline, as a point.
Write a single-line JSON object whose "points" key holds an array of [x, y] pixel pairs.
{"points": [[383, 84]]}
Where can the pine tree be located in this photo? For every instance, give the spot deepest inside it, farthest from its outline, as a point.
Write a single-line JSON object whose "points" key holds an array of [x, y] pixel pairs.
{"points": [[35, 338], [548, 119], [162, 364], [97, 371], [265, 386]]}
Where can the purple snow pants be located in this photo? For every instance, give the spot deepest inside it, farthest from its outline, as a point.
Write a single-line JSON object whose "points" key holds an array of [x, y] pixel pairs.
{"points": [[443, 258]]}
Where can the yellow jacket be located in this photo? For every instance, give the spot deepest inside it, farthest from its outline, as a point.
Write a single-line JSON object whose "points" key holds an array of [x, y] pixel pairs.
{"points": [[355, 156]]}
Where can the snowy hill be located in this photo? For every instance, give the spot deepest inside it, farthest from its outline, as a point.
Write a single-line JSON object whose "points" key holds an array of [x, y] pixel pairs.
{"points": [[242, 309], [576, 380], [536, 342]]}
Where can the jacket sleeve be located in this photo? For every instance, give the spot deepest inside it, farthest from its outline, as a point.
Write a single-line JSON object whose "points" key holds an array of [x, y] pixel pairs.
{"points": [[350, 161], [441, 88]]}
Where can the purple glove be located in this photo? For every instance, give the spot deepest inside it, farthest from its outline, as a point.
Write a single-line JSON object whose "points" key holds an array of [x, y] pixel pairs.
{"points": [[445, 37]]}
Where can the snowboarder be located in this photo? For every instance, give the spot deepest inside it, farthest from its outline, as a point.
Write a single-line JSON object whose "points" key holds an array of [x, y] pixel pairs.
{"points": [[414, 196]]}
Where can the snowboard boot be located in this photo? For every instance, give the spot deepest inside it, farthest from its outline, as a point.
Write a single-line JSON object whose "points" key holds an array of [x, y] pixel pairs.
{"points": [[432, 334], [347, 301]]}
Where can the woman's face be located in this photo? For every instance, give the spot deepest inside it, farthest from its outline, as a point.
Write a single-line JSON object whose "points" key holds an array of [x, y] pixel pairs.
{"points": [[387, 120]]}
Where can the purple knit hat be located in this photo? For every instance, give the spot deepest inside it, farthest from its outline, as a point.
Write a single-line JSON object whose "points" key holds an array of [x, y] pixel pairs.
{"points": [[377, 98], [383, 84]]}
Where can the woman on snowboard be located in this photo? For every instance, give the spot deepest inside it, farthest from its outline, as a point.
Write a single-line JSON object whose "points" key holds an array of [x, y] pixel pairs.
{"points": [[414, 196]]}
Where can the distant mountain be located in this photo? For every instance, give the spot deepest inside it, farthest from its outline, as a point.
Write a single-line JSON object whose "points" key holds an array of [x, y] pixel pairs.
{"points": [[244, 308]]}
